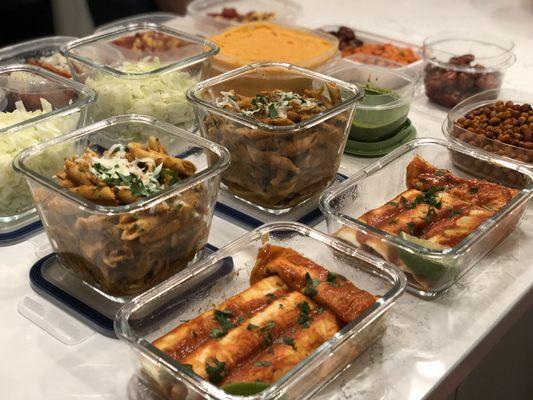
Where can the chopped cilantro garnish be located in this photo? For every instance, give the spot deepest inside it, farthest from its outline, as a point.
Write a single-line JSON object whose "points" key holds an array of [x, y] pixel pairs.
{"points": [[310, 285], [216, 371], [393, 203], [411, 227], [473, 190], [223, 318], [252, 327], [270, 297], [454, 212], [272, 111], [332, 277], [262, 363], [289, 341], [304, 319]]}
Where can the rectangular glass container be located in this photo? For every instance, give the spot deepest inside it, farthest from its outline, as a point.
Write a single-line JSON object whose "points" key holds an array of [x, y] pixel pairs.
{"points": [[141, 68], [124, 250], [377, 184], [25, 52], [227, 273], [275, 168], [35, 105]]}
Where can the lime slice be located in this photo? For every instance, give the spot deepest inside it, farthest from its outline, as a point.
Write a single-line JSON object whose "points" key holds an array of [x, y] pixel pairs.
{"points": [[422, 265], [245, 388]]}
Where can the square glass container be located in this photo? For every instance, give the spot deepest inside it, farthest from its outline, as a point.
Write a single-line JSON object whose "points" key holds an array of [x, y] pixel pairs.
{"points": [[491, 146], [155, 17], [377, 184], [286, 12], [141, 68], [35, 105], [449, 81], [124, 250], [275, 168], [226, 273], [32, 52]]}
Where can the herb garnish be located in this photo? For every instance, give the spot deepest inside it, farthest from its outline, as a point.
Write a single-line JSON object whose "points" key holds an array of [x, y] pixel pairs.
{"points": [[332, 277], [304, 319], [223, 318], [270, 297], [267, 335], [411, 227], [252, 327], [216, 371], [310, 285], [454, 212], [289, 341], [262, 363], [473, 190]]}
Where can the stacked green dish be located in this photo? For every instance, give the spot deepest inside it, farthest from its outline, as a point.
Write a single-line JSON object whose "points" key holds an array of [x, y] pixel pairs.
{"points": [[380, 123]]}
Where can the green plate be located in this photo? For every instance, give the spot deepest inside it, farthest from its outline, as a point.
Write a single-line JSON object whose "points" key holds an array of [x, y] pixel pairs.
{"points": [[245, 388], [377, 149]]}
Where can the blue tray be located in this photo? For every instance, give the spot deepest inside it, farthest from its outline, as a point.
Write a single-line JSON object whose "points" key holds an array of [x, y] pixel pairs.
{"points": [[49, 279]]}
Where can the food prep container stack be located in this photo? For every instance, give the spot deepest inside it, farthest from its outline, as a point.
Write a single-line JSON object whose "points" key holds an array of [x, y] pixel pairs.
{"points": [[141, 68], [275, 168], [227, 273], [430, 271], [121, 251], [35, 105]]}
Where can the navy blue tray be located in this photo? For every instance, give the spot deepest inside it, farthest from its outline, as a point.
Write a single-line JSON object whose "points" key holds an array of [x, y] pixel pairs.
{"points": [[98, 317], [21, 234]]}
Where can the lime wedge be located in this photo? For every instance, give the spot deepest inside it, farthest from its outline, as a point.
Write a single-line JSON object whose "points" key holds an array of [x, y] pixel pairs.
{"points": [[421, 265], [245, 388]]}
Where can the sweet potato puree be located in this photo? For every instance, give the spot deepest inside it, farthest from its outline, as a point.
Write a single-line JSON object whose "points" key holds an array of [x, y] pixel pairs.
{"points": [[265, 41]]}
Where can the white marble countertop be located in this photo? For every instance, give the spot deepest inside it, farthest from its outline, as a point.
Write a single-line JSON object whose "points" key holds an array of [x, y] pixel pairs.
{"points": [[426, 343]]}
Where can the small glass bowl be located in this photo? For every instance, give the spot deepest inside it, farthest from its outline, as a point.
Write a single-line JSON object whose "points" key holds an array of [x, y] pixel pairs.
{"points": [[124, 250], [23, 53], [226, 273], [275, 168], [54, 106], [429, 272], [448, 84], [131, 74], [286, 12], [388, 97]]}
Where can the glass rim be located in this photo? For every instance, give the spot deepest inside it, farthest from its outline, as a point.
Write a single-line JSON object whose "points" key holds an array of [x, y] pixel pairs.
{"points": [[116, 31], [86, 96], [220, 165], [19, 48], [507, 55], [521, 197], [193, 96], [388, 272]]}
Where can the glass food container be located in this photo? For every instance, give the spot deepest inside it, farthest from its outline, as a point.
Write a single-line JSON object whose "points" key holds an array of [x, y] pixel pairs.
{"points": [[227, 273], [273, 167], [141, 68], [377, 184], [388, 97], [124, 250], [461, 64], [285, 11], [307, 48], [43, 52], [491, 145], [415, 68], [152, 17], [35, 105]]}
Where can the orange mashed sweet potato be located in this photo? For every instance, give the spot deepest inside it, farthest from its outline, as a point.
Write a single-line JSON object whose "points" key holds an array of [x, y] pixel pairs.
{"points": [[265, 41]]}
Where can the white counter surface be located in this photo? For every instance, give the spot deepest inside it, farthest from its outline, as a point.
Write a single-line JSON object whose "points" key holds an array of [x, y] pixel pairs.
{"points": [[428, 347]]}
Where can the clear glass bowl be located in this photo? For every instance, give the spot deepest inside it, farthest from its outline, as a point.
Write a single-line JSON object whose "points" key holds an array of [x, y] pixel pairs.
{"points": [[286, 12], [152, 17], [377, 184], [34, 49], [416, 67], [388, 97], [486, 145], [448, 84], [227, 273], [54, 106], [145, 76], [94, 241], [275, 168]]}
